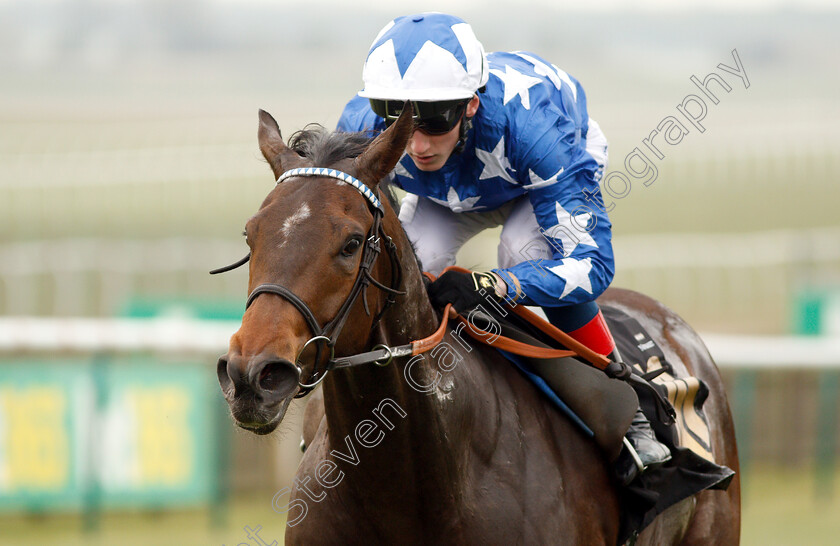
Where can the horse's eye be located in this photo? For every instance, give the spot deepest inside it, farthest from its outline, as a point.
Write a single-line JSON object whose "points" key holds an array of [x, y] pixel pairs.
{"points": [[351, 247]]}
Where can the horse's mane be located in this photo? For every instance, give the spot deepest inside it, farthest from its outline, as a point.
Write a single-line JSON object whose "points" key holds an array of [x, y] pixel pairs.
{"points": [[325, 148]]}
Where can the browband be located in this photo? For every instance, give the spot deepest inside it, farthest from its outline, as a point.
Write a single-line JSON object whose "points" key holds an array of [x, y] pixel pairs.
{"points": [[338, 175]]}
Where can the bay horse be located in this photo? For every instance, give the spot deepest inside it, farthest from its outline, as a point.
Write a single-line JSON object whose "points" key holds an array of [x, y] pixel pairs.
{"points": [[453, 448]]}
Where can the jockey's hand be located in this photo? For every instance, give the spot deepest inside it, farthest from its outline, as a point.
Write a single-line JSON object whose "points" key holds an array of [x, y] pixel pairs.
{"points": [[465, 290]]}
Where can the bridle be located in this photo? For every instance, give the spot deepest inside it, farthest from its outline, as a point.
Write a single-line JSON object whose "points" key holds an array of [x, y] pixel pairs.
{"points": [[329, 333]]}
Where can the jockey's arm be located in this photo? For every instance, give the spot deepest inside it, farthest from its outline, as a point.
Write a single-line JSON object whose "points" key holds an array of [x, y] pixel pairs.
{"points": [[569, 209]]}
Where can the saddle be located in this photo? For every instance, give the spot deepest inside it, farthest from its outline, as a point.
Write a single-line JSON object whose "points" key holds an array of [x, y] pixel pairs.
{"points": [[602, 407]]}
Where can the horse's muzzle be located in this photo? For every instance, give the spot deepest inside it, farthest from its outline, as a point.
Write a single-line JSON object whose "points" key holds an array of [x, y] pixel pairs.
{"points": [[257, 389]]}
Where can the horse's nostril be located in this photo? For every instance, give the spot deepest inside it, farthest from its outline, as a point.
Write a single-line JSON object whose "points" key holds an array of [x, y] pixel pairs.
{"points": [[278, 377], [222, 373]]}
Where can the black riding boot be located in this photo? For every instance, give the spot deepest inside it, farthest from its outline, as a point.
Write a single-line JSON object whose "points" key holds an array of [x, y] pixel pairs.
{"points": [[641, 450]]}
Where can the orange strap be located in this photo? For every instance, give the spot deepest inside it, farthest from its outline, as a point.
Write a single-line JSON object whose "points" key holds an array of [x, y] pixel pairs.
{"points": [[423, 345], [576, 348]]}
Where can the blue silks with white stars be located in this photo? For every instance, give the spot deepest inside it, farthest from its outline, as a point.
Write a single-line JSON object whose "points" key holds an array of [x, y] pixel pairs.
{"points": [[528, 138]]}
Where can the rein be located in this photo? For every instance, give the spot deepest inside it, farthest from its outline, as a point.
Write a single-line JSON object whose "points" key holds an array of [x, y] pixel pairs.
{"points": [[382, 355]]}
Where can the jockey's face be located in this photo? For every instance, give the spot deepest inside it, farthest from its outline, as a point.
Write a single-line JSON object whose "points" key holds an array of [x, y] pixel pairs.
{"points": [[430, 152]]}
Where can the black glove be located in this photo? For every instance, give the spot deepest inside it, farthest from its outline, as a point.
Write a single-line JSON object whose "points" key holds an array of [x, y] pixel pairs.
{"points": [[463, 290]]}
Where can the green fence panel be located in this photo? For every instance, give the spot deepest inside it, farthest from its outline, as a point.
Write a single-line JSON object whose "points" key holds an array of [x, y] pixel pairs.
{"points": [[44, 413], [129, 432]]}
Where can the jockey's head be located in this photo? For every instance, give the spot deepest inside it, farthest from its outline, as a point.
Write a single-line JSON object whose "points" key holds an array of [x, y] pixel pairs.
{"points": [[435, 61]]}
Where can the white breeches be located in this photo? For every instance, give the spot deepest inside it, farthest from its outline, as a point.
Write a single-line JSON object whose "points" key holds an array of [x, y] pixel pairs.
{"points": [[438, 233]]}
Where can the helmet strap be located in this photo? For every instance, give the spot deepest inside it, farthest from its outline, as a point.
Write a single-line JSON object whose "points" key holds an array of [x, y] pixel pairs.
{"points": [[466, 125]]}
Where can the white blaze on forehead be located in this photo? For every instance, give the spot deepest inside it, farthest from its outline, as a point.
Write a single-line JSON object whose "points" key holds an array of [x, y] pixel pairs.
{"points": [[289, 223]]}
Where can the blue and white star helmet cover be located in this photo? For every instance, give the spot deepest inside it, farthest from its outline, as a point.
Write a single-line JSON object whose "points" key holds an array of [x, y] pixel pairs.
{"points": [[425, 57]]}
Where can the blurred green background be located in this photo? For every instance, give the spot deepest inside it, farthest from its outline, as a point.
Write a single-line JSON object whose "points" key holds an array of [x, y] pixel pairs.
{"points": [[129, 165]]}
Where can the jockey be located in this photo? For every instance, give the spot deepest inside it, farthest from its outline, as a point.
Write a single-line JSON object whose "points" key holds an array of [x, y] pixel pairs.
{"points": [[501, 140]]}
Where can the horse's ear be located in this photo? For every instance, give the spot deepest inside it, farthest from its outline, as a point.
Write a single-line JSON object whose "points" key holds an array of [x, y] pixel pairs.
{"points": [[382, 154], [273, 149]]}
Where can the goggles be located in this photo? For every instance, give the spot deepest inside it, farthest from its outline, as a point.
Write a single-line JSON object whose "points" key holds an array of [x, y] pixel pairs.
{"points": [[433, 118]]}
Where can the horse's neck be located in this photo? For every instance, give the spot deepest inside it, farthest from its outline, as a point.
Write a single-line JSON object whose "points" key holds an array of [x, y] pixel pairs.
{"points": [[350, 395], [407, 406]]}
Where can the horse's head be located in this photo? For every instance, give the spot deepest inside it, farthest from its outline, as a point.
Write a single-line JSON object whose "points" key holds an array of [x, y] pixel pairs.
{"points": [[307, 277]]}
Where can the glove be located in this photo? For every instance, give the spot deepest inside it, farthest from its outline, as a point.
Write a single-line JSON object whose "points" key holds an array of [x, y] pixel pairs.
{"points": [[463, 290]]}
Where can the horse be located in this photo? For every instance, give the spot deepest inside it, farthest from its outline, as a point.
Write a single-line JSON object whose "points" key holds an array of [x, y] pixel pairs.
{"points": [[448, 448]]}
